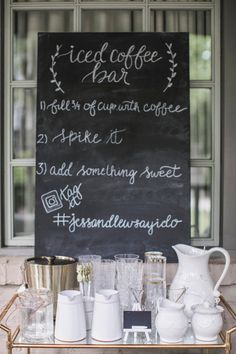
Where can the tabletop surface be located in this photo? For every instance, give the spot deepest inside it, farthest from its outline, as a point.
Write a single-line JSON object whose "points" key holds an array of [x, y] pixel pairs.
{"points": [[133, 340]]}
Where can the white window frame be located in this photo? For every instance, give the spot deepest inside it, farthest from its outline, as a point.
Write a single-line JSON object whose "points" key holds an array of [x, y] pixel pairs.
{"points": [[146, 6]]}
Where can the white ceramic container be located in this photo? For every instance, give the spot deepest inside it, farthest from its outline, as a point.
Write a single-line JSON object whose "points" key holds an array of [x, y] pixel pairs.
{"points": [[207, 322], [70, 317], [171, 321], [193, 274], [106, 324]]}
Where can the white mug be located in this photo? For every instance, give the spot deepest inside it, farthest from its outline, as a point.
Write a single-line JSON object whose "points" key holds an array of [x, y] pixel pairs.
{"points": [[106, 325], [70, 318]]}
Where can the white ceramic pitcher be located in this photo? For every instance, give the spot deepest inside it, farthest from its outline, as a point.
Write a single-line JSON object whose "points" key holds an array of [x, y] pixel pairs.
{"points": [[106, 324], [70, 318], [193, 275]]}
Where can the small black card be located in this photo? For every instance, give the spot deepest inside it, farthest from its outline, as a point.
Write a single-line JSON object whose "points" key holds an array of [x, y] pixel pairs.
{"points": [[137, 318]]}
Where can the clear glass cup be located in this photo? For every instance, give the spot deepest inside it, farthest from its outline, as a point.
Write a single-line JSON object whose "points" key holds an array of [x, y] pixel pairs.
{"points": [[129, 275], [107, 274], [91, 284], [125, 256], [155, 264], [36, 312], [89, 258], [154, 281]]}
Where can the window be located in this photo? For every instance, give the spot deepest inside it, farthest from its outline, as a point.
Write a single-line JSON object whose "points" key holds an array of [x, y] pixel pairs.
{"points": [[25, 18]]}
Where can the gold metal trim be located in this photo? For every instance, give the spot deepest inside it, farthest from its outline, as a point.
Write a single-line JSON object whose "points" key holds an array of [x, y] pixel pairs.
{"points": [[222, 336], [16, 332], [225, 336], [228, 307], [8, 306], [120, 346]]}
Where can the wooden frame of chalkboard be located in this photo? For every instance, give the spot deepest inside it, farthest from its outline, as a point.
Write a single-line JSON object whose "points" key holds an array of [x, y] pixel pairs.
{"points": [[113, 136]]}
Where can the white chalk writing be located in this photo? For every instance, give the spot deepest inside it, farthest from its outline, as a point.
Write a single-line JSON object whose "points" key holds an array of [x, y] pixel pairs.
{"points": [[115, 222], [134, 57], [108, 171], [79, 137], [159, 109], [72, 195], [111, 171], [65, 169], [114, 136], [53, 199], [87, 137], [164, 171], [162, 108]]}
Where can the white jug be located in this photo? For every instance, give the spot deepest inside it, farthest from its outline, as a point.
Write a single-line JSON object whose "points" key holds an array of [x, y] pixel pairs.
{"points": [[193, 276], [70, 318], [106, 325]]}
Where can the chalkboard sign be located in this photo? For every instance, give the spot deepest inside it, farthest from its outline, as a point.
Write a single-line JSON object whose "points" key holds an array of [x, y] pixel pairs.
{"points": [[112, 157], [137, 318]]}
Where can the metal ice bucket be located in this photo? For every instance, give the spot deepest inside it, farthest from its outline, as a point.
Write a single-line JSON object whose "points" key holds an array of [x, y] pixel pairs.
{"points": [[54, 273]]}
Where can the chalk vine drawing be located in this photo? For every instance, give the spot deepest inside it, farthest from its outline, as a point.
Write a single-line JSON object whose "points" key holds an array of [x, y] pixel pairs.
{"points": [[173, 66], [53, 71]]}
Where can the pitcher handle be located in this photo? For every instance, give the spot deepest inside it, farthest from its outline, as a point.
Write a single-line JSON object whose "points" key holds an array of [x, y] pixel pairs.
{"points": [[227, 263]]}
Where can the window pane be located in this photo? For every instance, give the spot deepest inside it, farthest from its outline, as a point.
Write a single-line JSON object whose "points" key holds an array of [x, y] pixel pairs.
{"points": [[200, 202], [111, 20], [24, 118], [26, 26], [23, 198], [198, 24], [201, 123]]}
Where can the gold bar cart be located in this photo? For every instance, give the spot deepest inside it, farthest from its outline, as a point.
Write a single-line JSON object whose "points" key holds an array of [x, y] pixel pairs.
{"points": [[14, 342]]}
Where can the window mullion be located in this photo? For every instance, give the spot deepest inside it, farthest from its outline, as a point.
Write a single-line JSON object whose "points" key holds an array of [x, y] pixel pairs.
{"points": [[175, 5], [78, 20], [7, 125]]}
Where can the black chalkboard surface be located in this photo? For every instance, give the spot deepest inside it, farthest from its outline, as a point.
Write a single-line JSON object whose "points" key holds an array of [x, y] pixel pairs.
{"points": [[112, 157], [137, 318]]}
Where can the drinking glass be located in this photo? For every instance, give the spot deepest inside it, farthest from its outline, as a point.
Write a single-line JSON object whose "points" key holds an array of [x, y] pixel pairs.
{"points": [[129, 274], [154, 281], [125, 256], [107, 274], [155, 264], [36, 312], [90, 262]]}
